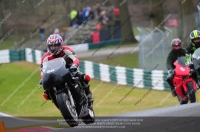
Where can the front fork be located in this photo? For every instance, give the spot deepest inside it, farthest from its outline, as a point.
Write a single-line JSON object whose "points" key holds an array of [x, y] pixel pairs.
{"points": [[71, 98], [185, 85]]}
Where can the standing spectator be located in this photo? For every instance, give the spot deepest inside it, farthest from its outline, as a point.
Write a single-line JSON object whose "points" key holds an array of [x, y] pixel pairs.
{"points": [[116, 11], [91, 14], [98, 26], [87, 12], [96, 15], [42, 31], [98, 9], [84, 14], [73, 15], [78, 21], [103, 17]]}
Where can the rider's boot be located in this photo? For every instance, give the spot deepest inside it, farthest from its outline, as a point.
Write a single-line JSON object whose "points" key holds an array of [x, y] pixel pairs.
{"points": [[85, 82], [173, 91], [46, 95], [90, 97]]}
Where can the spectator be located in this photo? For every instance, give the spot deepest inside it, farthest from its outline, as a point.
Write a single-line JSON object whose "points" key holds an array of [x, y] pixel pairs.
{"points": [[91, 14], [83, 14], [103, 17], [42, 31], [79, 20], [98, 26], [73, 15], [86, 14], [116, 11], [98, 9]]}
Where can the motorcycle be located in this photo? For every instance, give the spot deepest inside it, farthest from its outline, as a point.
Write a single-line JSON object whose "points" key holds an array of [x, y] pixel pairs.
{"points": [[185, 86], [66, 93], [195, 60]]}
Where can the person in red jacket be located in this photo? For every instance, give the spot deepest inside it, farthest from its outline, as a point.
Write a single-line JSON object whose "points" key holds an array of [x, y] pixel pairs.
{"points": [[56, 49]]}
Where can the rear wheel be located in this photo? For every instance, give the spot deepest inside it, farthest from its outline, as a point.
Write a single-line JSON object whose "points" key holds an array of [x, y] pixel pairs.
{"points": [[191, 93], [69, 113]]}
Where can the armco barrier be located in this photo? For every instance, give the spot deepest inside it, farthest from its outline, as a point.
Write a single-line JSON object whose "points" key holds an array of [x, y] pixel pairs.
{"points": [[16, 55], [120, 75], [104, 43], [80, 47], [88, 46]]}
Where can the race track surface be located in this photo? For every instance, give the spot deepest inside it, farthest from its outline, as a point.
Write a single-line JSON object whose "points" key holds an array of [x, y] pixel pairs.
{"points": [[185, 118], [182, 118]]}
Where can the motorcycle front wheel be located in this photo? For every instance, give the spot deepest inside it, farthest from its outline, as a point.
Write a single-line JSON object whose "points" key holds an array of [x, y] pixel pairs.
{"points": [[69, 113], [191, 93]]}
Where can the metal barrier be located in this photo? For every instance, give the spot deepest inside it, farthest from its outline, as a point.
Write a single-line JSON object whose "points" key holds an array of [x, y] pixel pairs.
{"points": [[154, 47]]}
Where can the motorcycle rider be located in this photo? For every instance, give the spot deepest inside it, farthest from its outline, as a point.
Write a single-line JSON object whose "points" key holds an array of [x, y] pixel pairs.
{"points": [[194, 44], [177, 51], [56, 49]]}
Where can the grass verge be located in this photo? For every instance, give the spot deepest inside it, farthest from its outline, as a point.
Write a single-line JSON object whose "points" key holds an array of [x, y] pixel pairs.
{"points": [[128, 60], [20, 96], [6, 45]]}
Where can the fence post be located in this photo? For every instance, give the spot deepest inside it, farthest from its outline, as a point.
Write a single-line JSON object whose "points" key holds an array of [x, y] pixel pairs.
{"points": [[152, 44], [141, 58]]}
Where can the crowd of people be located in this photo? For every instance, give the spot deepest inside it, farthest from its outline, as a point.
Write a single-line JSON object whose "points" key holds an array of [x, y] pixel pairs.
{"points": [[81, 17], [78, 17]]}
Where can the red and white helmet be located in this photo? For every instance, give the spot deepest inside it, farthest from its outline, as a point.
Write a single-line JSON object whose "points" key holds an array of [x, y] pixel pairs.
{"points": [[55, 40], [176, 44]]}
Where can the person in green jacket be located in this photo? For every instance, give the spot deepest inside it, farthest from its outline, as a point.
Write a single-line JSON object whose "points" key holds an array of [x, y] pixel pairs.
{"points": [[177, 51], [73, 16], [194, 42], [190, 49]]}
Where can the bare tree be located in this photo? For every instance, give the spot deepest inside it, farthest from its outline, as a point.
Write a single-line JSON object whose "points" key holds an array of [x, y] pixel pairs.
{"points": [[125, 19], [1, 18], [186, 20], [156, 13], [67, 5]]}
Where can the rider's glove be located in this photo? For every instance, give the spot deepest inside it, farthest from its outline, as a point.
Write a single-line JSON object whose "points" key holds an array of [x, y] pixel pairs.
{"points": [[170, 71], [191, 66], [73, 68], [192, 71], [187, 58]]}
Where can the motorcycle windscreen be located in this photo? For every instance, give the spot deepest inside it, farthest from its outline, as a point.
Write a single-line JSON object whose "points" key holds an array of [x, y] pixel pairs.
{"points": [[181, 61], [54, 72], [196, 54], [181, 68]]}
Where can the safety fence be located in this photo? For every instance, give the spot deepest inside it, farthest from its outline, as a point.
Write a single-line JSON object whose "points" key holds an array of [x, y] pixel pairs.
{"points": [[88, 46], [120, 75]]}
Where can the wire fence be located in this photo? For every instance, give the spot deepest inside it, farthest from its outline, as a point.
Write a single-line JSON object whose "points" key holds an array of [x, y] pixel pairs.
{"points": [[155, 45]]}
